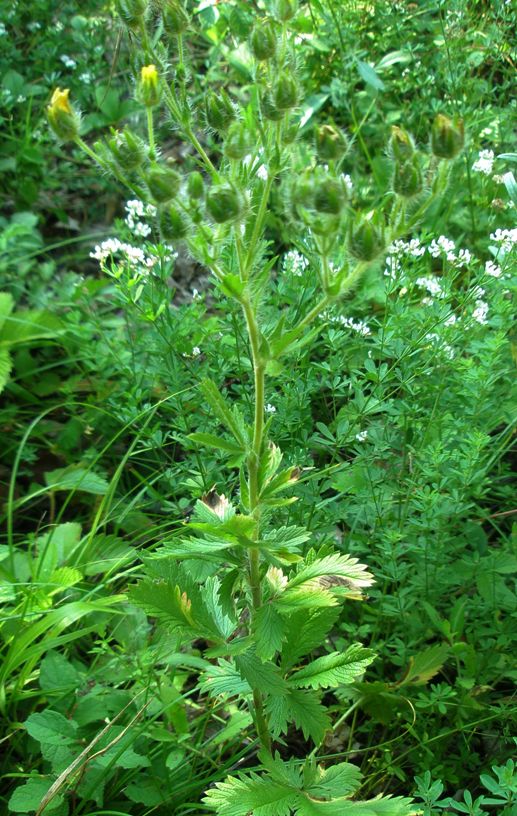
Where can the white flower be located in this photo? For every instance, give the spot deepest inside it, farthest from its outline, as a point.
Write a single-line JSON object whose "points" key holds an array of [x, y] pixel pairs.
{"points": [[506, 237], [348, 182], [270, 409], [361, 436], [34, 26], [484, 163], [358, 326], [67, 61], [262, 172], [86, 77], [295, 263], [493, 270], [3, 30], [196, 294], [451, 320], [431, 284], [480, 312], [196, 351]]}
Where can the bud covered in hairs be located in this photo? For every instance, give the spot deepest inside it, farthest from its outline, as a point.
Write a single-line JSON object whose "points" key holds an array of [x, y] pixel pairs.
{"points": [[64, 120], [163, 183], [149, 89], [331, 142], [238, 142], [401, 146], [175, 18], [127, 149], [195, 185], [447, 137], [366, 240], [173, 224], [281, 97], [219, 110], [131, 12], [329, 194], [285, 9], [224, 203], [407, 178], [263, 40]]}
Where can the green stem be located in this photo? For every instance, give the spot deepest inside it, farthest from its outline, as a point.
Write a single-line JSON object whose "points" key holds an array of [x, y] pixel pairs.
{"points": [[253, 486], [150, 131], [259, 220]]}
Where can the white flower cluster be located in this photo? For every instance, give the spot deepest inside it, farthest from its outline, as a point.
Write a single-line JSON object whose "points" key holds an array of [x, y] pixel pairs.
{"points": [[67, 61], [294, 263], [270, 409], [432, 285], [493, 270], [358, 326], [361, 436], [484, 163], [137, 211], [507, 238], [112, 246]]}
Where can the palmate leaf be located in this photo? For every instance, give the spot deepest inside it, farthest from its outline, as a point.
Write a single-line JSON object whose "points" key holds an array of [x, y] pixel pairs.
{"points": [[302, 707], [181, 604], [285, 791], [333, 669], [306, 631]]}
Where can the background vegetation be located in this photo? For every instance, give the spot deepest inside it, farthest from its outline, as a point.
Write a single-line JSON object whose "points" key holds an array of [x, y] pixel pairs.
{"points": [[400, 413]]}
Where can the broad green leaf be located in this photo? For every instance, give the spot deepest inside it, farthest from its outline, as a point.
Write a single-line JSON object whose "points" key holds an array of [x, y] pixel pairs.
{"points": [[370, 76], [424, 665], [26, 798], [57, 674], [337, 668], [24, 326], [6, 306], [6, 364], [74, 478], [51, 728]]}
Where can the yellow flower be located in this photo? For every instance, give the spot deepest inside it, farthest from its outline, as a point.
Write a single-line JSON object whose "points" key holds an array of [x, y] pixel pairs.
{"points": [[62, 118], [60, 101], [149, 90]]}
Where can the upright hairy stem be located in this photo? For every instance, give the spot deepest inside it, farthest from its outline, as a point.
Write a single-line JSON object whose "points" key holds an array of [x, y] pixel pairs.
{"points": [[253, 486]]}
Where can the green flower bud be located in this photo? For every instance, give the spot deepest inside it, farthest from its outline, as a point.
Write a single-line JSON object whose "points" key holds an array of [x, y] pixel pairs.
{"points": [[407, 178], [224, 203], [263, 41], [62, 118], [365, 241], [290, 133], [238, 142], [175, 18], [173, 224], [195, 185], [127, 149], [285, 9], [163, 183], [131, 12], [302, 193], [330, 142], [401, 145], [149, 90], [329, 195], [280, 98], [447, 137], [219, 110]]}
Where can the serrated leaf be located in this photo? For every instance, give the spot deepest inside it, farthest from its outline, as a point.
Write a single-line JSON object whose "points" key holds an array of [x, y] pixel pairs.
{"points": [[224, 680], [253, 794], [73, 478], [268, 630], [6, 365], [225, 416], [6, 306], [302, 707], [217, 442], [26, 798], [306, 631], [337, 668], [263, 676], [424, 665], [51, 728]]}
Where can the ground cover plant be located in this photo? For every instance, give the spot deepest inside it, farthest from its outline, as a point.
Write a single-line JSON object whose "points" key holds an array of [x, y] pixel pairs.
{"points": [[294, 304]]}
